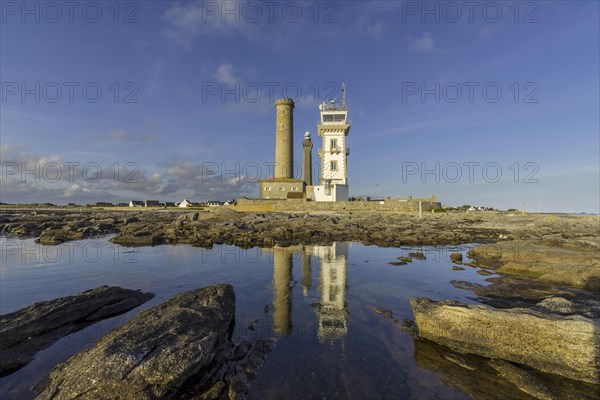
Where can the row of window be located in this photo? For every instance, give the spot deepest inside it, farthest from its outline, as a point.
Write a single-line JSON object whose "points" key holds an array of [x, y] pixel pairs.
{"points": [[281, 189], [334, 117]]}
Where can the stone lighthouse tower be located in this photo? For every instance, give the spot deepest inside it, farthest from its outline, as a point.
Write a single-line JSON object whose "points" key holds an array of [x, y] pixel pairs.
{"points": [[307, 146], [283, 185], [284, 139]]}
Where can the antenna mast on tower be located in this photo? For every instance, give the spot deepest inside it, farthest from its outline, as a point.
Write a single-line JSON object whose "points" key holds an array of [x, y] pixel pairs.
{"points": [[343, 96]]}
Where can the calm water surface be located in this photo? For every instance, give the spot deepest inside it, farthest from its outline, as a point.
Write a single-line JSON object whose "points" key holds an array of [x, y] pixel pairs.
{"points": [[318, 301]]}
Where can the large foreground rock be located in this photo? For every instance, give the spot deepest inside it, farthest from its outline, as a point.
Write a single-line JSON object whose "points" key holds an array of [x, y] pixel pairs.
{"points": [[161, 353], [26, 331], [552, 261], [562, 345]]}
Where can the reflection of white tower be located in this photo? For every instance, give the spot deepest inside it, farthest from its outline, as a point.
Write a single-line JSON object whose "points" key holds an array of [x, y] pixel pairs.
{"points": [[333, 127], [333, 312]]}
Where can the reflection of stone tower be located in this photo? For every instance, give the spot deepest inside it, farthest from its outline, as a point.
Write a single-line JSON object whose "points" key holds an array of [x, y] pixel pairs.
{"points": [[307, 159], [333, 311], [284, 139], [306, 272], [282, 299]]}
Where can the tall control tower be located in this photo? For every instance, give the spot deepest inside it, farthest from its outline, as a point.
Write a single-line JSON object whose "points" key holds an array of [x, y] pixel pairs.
{"points": [[333, 127]]}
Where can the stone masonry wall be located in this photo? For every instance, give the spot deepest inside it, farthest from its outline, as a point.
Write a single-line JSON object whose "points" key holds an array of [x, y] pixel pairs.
{"points": [[301, 205]]}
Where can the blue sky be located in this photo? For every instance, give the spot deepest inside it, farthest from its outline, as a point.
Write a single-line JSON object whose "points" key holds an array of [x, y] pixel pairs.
{"points": [[179, 115]]}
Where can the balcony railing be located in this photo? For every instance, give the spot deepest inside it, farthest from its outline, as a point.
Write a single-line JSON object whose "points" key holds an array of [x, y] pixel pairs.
{"points": [[331, 123]]}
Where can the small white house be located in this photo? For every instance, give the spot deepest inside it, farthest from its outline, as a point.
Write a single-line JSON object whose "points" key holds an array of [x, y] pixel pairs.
{"points": [[185, 204]]}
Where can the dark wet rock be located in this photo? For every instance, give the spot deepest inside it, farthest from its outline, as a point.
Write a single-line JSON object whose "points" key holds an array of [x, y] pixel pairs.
{"points": [[473, 264], [456, 268], [177, 347], [510, 292], [131, 220], [456, 258], [242, 349], [105, 225], [52, 236], [243, 367], [26, 331], [561, 345], [137, 239], [252, 325], [484, 272], [190, 216], [417, 255]]}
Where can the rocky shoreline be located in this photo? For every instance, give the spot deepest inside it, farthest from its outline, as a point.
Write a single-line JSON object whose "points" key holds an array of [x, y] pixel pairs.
{"points": [[26, 331], [566, 345], [540, 317], [179, 349], [249, 229]]}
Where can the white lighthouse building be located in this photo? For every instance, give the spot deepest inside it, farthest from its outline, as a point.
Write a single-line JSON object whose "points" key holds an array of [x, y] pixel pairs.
{"points": [[333, 127]]}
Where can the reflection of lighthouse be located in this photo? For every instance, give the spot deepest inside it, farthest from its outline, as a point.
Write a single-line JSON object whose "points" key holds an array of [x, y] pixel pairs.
{"points": [[333, 312], [282, 296]]}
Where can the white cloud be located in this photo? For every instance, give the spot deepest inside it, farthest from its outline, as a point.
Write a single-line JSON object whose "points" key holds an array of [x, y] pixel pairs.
{"points": [[225, 74], [26, 179], [188, 21], [120, 135], [425, 43], [372, 29]]}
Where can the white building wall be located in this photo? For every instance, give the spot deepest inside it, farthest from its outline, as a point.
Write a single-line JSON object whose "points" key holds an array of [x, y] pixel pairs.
{"points": [[336, 193], [338, 155]]}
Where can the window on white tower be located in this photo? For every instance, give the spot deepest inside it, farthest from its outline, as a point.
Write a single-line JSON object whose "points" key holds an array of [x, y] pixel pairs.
{"points": [[334, 166], [333, 144]]}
